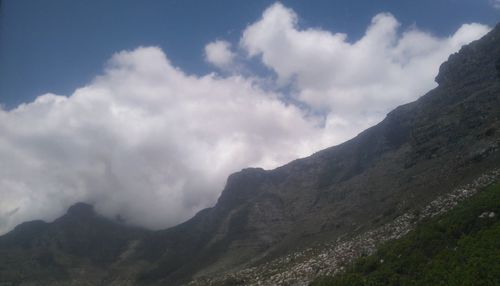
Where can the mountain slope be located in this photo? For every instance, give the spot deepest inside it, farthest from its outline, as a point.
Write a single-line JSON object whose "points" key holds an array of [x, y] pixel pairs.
{"points": [[458, 248], [442, 140], [420, 150], [79, 246]]}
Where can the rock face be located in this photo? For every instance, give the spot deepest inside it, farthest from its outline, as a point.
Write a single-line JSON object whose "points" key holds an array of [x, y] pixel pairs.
{"points": [[301, 267], [417, 153]]}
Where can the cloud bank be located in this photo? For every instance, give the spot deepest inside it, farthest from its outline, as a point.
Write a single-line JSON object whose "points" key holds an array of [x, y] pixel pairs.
{"points": [[144, 141], [154, 145], [355, 82]]}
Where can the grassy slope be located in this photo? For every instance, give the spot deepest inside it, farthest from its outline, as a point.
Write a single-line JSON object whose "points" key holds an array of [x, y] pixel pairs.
{"points": [[458, 248]]}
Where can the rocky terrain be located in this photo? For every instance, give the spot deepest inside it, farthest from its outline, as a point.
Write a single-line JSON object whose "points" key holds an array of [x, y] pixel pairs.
{"points": [[301, 268], [346, 198]]}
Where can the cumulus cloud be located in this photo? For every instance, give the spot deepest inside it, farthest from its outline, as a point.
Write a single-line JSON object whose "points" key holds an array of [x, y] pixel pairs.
{"points": [[219, 54], [144, 141], [154, 145], [356, 82]]}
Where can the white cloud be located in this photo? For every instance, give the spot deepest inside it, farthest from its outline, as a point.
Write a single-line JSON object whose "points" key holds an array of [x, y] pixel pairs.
{"points": [[144, 140], [155, 145], [357, 82], [219, 54]]}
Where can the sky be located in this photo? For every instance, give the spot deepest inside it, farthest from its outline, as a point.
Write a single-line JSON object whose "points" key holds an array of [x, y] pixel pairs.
{"points": [[143, 108]]}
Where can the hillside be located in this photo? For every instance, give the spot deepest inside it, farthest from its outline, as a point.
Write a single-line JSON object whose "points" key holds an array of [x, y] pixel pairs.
{"points": [[458, 248], [81, 247], [419, 152]]}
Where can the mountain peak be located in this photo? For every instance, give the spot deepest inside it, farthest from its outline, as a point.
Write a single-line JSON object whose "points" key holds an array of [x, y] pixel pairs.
{"points": [[241, 186], [474, 63], [81, 209]]}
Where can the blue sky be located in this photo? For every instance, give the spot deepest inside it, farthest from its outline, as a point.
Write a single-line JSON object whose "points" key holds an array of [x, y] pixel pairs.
{"points": [[59, 45], [143, 108]]}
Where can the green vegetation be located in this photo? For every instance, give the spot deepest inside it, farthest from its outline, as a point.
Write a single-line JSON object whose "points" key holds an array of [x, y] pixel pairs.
{"points": [[461, 247]]}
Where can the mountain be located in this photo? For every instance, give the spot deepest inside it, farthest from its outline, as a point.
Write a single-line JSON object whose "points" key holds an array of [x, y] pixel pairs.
{"points": [[77, 247], [420, 151], [458, 248]]}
